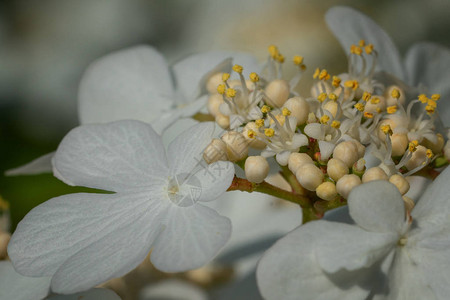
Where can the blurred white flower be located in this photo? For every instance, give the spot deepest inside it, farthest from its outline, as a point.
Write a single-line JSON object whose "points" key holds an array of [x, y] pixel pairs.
{"points": [[82, 239], [387, 254]]}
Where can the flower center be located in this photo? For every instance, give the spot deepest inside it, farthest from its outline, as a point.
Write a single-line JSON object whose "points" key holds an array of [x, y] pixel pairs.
{"points": [[184, 190]]}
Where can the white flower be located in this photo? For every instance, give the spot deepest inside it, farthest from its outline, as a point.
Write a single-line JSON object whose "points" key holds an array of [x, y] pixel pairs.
{"points": [[387, 254], [83, 239]]}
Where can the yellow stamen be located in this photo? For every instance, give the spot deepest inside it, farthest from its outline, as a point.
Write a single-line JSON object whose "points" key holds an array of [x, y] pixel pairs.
{"points": [[269, 132], [369, 48], [324, 75], [336, 81], [359, 106], [231, 93], [429, 153], [324, 119], [431, 103], [355, 50], [366, 96], [265, 109], [430, 109], [238, 69], [298, 60], [413, 146], [251, 134], [379, 110], [225, 76], [322, 97], [352, 84], [368, 115], [286, 112], [280, 58], [254, 77], [436, 97], [375, 100], [332, 96], [391, 109], [316, 73], [259, 123], [362, 43], [221, 89], [335, 124], [423, 98], [386, 129], [395, 93], [273, 51]]}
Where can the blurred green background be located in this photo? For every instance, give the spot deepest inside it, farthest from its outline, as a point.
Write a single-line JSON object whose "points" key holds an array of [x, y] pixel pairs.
{"points": [[45, 45]]}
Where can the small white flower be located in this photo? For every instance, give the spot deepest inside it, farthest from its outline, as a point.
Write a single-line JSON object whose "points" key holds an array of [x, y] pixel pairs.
{"points": [[386, 254], [83, 239]]}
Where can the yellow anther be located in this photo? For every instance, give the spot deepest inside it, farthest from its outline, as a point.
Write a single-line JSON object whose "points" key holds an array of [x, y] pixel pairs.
{"points": [[221, 89], [298, 60], [359, 106], [259, 123], [324, 75], [395, 93], [386, 129], [324, 119], [430, 109], [335, 124], [355, 50], [322, 97], [368, 115], [436, 97], [286, 112], [423, 98], [254, 77], [332, 96], [269, 132], [352, 84], [391, 109], [316, 73], [431, 103], [369, 48], [375, 100], [238, 69], [280, 58], [362, 43], [273, 51], [251, 134], [412, 146], [366, 96], [379, 110], [265, 109], [231, 93], [429, 153], [225, 76], [336, 81]]}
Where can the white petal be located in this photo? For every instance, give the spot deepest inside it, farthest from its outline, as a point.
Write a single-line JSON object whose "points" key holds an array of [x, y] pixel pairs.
{"points": [[116, 156], [214, 180], [299, 140], [18, 287], [86, 239], [134, 83], [289, 270], [417, 186], [176, 129], [42, 164], [283, 157], [377, 206], [172, 289], [192, 237], [185, 152], [343, 246], [349, 26], [315, 130], [326, 148], [92, 294], [340, 214]]}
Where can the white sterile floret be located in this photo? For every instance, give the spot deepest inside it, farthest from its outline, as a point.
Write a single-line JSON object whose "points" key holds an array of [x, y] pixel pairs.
{"points": [[374, 173], [326, 191], [346, 184], [299, 109], [400, 182], [84, 239], [309, 176], [215, 151], [386, 253], [256, 169], [277, 92], [251, 129], [296, 160], [347, 152], [237, 145], [336, 168]]}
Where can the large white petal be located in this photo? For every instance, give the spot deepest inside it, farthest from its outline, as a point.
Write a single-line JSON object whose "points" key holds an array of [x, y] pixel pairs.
{"points": [[172, 289], [378, 207], [185, 152], [343, 246], [289, 270], [214, 179], [92, 294], [86, 239], [417, 186], [192, 237], [18, 287], [42, 164], [134, 83], [349, 26], [117, 156], [315, 130]]}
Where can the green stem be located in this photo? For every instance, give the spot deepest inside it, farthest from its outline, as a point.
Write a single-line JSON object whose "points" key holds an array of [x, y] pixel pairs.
{"points": [[292, 180]]}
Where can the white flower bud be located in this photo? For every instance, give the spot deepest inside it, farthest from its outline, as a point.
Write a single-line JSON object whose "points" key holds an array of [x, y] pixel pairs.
{"points": [[4, 240], [332, 107], [237, 145], [419, 157], [376, 104], [215, 151], [435, 147], [253, 142], [399, 144], [390, 100], [213, 82], [375, 173], [400, 182], [278, 92], [296, 160], [299, 109], [256, 169], [326, 191], [345, 185], [336, 168], [309, 176], [223, 121], [389, 122], [214, 102], [347, 152], [359, 147], [409, 203], [359, 166], [311, 118]]}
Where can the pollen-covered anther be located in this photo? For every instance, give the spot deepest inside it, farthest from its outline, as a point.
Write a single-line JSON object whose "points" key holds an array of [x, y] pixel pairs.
{"points": [[322, 97], [324, 119], [369, 48], [221, 88], [361, 43], [366, 96], [225, 77], [259, 123], [359, 106], [298, 60], [269, 132], [368, 115], [335, 124], [412, 146], [273, 51], [353, 84], [355, 50], [429, 153], [286, 112], [423, 98], [332, 97], [265, 109], [386, 129], [336, 81], [254, 77], [395, 93], [323, 75], [316, 73], [391, 109], [231, 93], [238, 69], [280, 58], [436, 97]]}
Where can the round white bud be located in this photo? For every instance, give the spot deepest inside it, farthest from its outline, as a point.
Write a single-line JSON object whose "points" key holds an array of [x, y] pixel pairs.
{"points": [[4, 240], [375, 173], [332, 107], [326, 191], [347, 152], [435, 147], [389, 122], [299, 109], [400, 182], [213, 82], [215, 151], [237, 145], [296, 160], [399, 143], [214, 102], [253, 142], [278, 92], [390, 100], [418, 158], [359, 147], [345, 185], [223, 121], [336, 168], [256, 169], [376, 104], [309, 176]]}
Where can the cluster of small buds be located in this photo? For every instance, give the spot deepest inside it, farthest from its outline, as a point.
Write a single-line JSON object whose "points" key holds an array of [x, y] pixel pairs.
{"points": [[323, 137]]}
